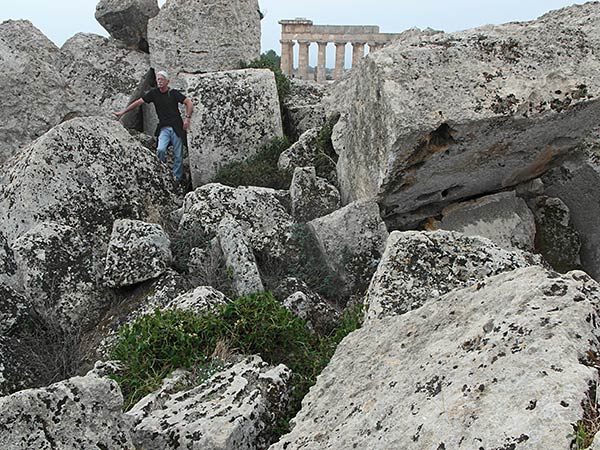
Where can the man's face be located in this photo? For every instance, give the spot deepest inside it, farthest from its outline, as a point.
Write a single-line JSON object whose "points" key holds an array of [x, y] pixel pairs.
{"points": [[161, 82]]}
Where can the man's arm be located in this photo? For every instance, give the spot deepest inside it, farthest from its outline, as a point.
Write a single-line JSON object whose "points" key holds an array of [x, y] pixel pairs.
{"points": [[189, 109], [130, 107]]}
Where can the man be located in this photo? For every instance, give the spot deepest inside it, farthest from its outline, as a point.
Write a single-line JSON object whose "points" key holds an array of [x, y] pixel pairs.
{"points": [[171, 129]]}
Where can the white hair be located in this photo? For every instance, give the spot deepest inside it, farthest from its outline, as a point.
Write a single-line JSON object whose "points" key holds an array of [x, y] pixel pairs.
{"points": [[163, 73]]}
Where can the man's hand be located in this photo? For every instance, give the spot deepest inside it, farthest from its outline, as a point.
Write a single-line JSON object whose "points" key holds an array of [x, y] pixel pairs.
{"points": [[119, 114], [186, 123]]}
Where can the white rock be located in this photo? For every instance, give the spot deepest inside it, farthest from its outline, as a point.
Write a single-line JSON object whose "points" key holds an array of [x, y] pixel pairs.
{"points": [[127, 20], [312, 196]]}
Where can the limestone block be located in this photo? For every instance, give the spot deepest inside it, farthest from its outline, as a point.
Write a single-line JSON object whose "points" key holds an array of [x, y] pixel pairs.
{"points": [[312, 196], [102, 75], [556, 238], [82, 412], [501, 364], [34, 91], [199, 300], [13, 309], [319, 315], [137, 251], [467, 113], [301, 153], [420, 266], [204, 35], [15, 373], [127, 21], [236, 113], [261, 215], [303, 107], [502, 218], [239, 258], [352, 239], [235, 409]]}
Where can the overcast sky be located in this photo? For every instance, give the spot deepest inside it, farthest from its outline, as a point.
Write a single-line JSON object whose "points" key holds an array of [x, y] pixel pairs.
{"points": [[61, 19]]}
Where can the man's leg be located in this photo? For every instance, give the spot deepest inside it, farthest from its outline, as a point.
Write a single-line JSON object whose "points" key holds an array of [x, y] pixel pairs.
{"points": [[177, 156], [164, 138]]}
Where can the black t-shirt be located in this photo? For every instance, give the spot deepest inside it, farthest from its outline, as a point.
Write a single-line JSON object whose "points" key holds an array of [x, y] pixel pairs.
{"points": [[167, 108]]}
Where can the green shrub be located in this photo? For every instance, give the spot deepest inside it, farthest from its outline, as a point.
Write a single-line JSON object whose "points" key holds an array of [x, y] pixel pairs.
{"points": [[270, 60], [258, 170]]}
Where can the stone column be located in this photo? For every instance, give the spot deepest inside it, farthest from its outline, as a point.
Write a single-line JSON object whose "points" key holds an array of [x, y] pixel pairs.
{"points": [[303, 60], [358, 51], [320, 75], [340, 59], [374, 46], [287, 57]]}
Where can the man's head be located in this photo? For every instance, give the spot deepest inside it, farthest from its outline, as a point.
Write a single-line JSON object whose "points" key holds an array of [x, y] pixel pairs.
{"points": [[162, 79]]}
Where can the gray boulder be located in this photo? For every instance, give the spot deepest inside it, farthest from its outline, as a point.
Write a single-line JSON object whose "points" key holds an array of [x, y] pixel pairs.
{"points": [[419, 266], [467, 113], [13, 309], [301, 153], [502, 364], [503, 218], [82, 412], [35, 98], [236, 113], [127, 21], [304, 108], [312, 196], [352, 240], [204, 35], [137, 251], [236, 409]]}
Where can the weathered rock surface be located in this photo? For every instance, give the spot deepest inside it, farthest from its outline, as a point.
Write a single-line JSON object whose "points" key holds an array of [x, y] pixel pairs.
{"points": [[127, 21], [58, 275], [303, 108], [497, 365], [419, 266], [82, 412], [258, 210], [239, 259], [8, 266], [319, 315], [102, 75], [34, 91], [352, 239], [301, 153], [199, 300], [576, 183], [502, 104], [556, 239], [236, 409], [502, 218], [312, 196], [13, 308], [236, 113], [204, 35], [137, 251], [84, 173]]}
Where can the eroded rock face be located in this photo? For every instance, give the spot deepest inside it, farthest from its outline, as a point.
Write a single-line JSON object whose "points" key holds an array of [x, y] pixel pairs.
{"points": [[301, 153], [236, 113], [502, 104], [312, 196], [13, 308], [304, 108], [127, 21], [419, 266], [236, 409], [502, 218], [82, 412], [204, 35], [352, 239], [35, 98], [137, 251], [439, 377]]}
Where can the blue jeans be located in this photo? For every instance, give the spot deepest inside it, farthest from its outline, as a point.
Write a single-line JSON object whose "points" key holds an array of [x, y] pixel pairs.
{"points": [[167, 136]]}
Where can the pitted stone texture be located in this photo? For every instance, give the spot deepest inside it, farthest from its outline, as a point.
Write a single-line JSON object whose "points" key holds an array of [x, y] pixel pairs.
{"points": [[13, 308], [84, 173], [102, 75], [236, 113], [15, 373], [127, 21], [556, 238], [498, 106], [58, 275], [137, 251], [301, 153], [235, 409], [303, 107], [498, 365], [312, 196], [576, 183], [352, 239], [82, 412], [502, 218], [258, 210], [8, 266], [239, 257], [204, 35], [35, 98], [199, 300], [419, 266]]}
